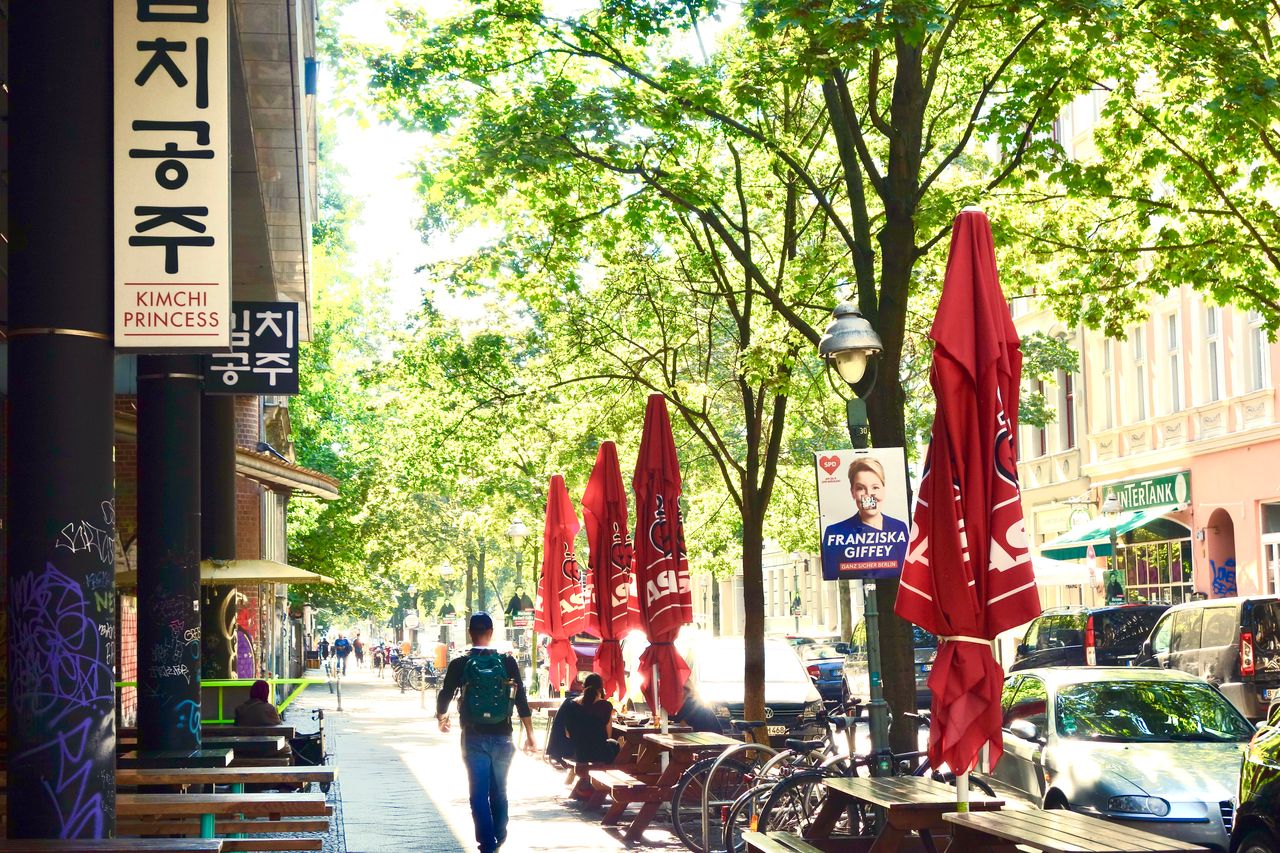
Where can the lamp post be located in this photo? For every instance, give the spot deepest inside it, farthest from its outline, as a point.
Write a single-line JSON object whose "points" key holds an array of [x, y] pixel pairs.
{"points": [[849, 345], [1111, 509], [517, 533]]}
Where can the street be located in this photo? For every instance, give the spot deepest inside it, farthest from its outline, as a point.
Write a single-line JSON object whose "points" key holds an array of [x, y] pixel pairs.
{"points": [[403, 787]]}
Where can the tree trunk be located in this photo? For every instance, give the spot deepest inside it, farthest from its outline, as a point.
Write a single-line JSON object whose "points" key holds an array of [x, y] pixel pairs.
{"points": [[753, 605], [471, 578], [715, 606], [844, 591], [480, 588]]}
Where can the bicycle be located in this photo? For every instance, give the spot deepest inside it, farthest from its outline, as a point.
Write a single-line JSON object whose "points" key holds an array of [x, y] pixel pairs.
{"points": [[734, 779], [793, 803]]}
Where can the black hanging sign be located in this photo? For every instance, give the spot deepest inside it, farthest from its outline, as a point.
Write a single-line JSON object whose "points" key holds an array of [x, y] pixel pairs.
{"points": [[264, 351]]}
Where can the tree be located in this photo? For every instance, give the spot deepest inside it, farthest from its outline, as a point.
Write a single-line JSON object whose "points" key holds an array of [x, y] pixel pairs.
{"points": [[1177, 183], [852, 122]]}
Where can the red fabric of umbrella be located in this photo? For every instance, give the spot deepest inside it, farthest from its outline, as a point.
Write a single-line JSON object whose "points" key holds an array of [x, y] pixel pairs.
{"points": [[604, 514], [968, 573], [559, 611], [661, 567]]}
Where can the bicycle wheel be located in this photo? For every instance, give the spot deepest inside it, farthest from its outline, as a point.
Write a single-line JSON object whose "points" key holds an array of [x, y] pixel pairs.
{"points": [[744, 814], [418, 679], [731, 780], [793, 803]]}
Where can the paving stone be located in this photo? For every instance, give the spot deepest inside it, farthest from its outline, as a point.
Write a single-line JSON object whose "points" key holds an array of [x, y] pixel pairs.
{"points": [[403, 786]]}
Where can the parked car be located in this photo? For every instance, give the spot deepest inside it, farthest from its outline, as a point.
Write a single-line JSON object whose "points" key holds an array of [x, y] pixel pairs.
{"points": [[926, 650], [1233, 643], [1257, 828], [1080, 636], [792, 702], [1155, 750], [825, 665]]}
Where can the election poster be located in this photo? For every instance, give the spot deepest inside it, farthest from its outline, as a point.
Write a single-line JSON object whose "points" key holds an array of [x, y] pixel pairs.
{"points": [[862, 512]]}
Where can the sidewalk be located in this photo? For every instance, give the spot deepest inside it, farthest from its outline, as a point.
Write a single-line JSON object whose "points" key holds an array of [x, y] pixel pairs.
{"points": [[403, 786]]}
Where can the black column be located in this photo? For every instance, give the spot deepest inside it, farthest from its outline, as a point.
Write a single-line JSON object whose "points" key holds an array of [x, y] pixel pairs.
{"points": [[62, 618], [218, 529], [169, 552]]}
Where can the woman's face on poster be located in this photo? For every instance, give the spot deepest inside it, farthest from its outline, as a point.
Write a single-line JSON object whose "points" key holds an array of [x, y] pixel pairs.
{"points": [[868, 494]]}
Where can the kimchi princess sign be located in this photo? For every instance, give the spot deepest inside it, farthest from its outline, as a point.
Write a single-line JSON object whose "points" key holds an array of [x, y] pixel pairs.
{"points": [[862, 512], [172, 175]]}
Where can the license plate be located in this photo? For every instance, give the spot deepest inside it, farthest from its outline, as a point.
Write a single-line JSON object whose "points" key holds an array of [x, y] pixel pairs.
{"points": [[777, 730], [1270, 694]]}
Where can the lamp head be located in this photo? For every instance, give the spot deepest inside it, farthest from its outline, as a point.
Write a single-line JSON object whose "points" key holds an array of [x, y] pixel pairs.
{"points": [[1111, 505], [517, 532], [848, 342]]}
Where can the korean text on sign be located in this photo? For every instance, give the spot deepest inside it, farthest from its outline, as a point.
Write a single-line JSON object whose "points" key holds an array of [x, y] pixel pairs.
{"points": [[172, 184], [264, 351]]}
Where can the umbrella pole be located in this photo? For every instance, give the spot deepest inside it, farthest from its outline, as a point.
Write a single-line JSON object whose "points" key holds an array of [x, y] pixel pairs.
{"points": [[962, 792]]}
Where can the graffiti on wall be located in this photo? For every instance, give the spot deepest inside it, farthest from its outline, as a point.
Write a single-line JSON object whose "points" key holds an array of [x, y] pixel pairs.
{"points": [[1223, 577]]}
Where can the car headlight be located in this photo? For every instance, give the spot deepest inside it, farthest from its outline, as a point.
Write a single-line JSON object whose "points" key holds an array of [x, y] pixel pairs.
{"points": [[813, 709], [1139, 805], [722, 711]]}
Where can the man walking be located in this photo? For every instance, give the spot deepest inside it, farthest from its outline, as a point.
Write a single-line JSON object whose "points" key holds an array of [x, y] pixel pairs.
{"points": [[491, 686], [342, 648], [357, 646]]}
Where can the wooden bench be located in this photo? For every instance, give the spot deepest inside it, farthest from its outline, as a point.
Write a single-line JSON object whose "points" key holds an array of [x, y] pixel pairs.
{"points": [[208, 808], [777, 842], [580, 777], [112, 845], [624, 789], [1053, 831]]}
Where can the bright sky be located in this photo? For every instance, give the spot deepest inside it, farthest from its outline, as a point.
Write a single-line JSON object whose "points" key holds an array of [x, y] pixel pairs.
{"points": [[378, 160]]}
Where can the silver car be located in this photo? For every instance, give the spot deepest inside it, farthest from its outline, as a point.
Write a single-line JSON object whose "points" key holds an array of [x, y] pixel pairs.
{"points": [[1156, 750]]}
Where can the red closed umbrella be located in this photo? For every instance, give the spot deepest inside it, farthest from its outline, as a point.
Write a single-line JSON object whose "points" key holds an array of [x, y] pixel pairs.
{"points": [[968, 573], [559, 611], [661, 567], [604, 513]]}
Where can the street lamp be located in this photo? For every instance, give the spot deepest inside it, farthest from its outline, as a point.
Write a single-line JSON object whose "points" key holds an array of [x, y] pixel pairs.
{"points": [[1111, 509], [517, 533], [850, 345]]}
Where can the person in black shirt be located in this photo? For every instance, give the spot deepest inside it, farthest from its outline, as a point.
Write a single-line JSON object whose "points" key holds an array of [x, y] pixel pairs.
{"points": [[696, 714], [486, 747], [590, 725]]}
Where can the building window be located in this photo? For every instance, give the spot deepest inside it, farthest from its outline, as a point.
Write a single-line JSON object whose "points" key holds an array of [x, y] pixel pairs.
{"points": [[1068, 385], [1213, 353], [1108, 385], [1258, 348], [1174, 363], [1140, 374]]}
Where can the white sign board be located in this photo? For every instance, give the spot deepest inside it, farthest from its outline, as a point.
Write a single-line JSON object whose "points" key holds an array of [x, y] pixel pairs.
{"points": [[172, 175], [411, 622], [862, 512]]}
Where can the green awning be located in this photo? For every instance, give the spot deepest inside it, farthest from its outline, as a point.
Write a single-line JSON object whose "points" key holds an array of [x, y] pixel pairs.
{"points": [[1074, 544]]}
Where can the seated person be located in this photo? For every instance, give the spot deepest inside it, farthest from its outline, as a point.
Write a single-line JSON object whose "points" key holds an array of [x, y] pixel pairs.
{"points": [[559, 746], [590, 725], [257, 710], [696, 714]]}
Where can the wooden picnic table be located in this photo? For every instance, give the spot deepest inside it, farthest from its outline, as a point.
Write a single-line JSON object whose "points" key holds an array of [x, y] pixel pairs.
{"points": [[224, 775], [223, 730], [248, 744], [909, 804], [177, 758], [633, 733], [649, 783], [111, 845], [1053, 831]]}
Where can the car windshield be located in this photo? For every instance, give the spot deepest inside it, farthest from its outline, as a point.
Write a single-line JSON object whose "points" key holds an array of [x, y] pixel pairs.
{"points": [[819, 651], [922, 639], [1147, 711], [722, 663]]}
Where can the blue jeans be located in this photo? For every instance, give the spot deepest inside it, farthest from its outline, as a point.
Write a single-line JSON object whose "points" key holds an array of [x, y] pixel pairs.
{"points": [[488, 758]]}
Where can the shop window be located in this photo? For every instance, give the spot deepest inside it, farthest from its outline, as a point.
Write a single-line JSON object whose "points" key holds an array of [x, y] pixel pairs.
{"points": [[1157, 566]]}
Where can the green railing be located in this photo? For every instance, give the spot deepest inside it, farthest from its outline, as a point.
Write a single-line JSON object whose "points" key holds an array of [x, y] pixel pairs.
{"points": [[221, 684]]}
